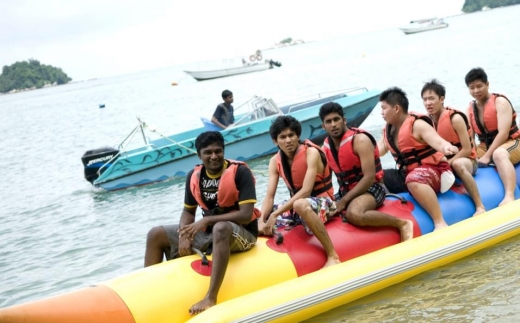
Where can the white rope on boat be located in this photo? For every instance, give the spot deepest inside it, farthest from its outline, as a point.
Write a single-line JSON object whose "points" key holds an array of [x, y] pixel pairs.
{"points": [[153, 129], [121, 148]]}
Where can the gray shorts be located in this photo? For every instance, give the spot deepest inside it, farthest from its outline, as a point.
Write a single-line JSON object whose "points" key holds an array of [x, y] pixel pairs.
{"points": [[241, 240]]}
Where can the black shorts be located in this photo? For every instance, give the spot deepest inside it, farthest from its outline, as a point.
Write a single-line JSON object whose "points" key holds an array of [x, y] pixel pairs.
{"points": [[394, 181], [378, 191]]}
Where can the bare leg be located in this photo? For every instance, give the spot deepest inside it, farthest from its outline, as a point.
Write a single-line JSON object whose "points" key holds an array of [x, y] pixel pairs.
{"points": [[463, 168], [303, 208], [222, 232], [427, 198], [361, 211], [507, 174], [156, 242]]}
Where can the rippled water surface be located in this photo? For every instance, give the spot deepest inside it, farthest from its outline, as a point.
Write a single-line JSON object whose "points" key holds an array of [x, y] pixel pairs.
{"points": [[59, 234]]}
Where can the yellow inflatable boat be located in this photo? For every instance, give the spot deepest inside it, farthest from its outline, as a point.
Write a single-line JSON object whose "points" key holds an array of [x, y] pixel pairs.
{"points": [[282, 282]]}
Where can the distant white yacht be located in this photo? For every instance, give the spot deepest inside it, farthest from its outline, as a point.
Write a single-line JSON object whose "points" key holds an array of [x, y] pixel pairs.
{"points": [[417, 26]]}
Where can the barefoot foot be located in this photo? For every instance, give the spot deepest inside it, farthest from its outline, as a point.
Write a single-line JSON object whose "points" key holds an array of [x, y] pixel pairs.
{"points": [[201, 306], [479, 210], [439, 226], [406, 230], [506, 200], [331, 261]]}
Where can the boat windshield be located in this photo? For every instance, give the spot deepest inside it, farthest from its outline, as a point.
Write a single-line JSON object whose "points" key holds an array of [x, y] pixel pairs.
{"points": [[318, 99], [256, 108]]}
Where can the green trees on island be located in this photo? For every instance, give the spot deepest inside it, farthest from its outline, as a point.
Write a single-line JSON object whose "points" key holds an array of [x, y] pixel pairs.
{"points": [[30, 75], [477, 5]]}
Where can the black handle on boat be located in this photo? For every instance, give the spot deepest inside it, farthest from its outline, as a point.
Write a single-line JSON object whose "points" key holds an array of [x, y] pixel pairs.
{"points": [[399, 197], [205, 261], [277, 236]]}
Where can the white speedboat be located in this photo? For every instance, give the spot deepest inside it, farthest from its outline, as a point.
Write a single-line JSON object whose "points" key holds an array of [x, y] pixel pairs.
{"points": [[417, 26], [245, 68]]}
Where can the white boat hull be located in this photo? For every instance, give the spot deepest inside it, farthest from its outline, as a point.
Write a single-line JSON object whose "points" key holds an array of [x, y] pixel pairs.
{"points": [[212, 74], [414, 30]]}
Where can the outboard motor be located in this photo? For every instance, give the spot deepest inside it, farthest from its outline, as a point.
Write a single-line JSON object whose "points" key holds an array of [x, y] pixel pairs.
{"points": [[275, 63], [94, 159]]}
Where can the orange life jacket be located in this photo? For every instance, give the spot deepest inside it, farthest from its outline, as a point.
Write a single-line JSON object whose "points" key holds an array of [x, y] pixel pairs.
{"points": [[345, 163], [411, 152], [294, 175], [488, 131], [445, 129], [227, 197]]}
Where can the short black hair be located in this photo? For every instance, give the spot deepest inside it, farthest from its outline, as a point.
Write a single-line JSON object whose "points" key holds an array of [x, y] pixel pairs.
{"points": [[331, 107], [395, 96], [434, 86], [208, 138], [226, 93], [285, 122], [476, 74]]}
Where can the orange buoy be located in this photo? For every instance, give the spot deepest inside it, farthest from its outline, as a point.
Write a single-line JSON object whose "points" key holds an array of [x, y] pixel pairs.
{"points": [[174, 83]]}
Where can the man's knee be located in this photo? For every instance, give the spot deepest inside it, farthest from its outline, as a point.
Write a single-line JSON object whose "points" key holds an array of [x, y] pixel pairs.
{"points": [[300, 206], [354, 215], [157, 236], [500, 154], [222, 229], [460, 166], [415, 187]]}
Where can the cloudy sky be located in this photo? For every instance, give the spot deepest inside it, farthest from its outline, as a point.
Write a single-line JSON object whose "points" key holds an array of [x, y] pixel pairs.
{"points": [[99, 38]]}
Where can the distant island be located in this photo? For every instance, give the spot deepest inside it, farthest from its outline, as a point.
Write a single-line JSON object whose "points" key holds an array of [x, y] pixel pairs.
{"points": [[477, 5], [30, 75], [288, 42]]}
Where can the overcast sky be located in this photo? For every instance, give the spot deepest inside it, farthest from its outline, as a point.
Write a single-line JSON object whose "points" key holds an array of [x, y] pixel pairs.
{"points": [[98, 38]]}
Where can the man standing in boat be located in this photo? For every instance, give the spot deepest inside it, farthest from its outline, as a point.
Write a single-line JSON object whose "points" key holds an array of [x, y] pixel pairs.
{"points": [[303, 167], [225, 191], [419, 150], [223, 115], [493, 119], [453, 126], [353, 156]]}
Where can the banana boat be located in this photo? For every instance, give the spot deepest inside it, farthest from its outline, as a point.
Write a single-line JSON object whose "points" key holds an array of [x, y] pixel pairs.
{"points": [[282, 282]]}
